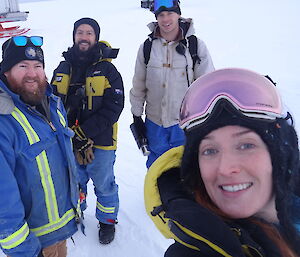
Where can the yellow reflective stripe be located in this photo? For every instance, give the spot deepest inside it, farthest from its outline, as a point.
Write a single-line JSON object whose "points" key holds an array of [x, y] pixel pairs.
{"points": [[43, 166], [53, 226], [105, 209], [196, 236], [61, 118], [30, 133], [16, 238], [48, 186]]}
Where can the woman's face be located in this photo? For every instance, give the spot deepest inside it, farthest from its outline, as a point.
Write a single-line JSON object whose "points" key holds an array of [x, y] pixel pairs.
{"points": [[236, 169]]}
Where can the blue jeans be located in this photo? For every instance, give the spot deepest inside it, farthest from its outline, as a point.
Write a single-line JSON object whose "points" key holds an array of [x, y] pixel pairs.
{"points": [[101, 171], [162, 139]]}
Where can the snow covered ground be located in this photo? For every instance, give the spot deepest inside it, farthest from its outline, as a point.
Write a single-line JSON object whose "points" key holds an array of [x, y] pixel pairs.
{"points": [[259, 35]]}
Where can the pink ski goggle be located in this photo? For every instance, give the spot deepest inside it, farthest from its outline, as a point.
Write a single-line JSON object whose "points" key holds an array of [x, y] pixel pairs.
{"points": [[250, 93]]}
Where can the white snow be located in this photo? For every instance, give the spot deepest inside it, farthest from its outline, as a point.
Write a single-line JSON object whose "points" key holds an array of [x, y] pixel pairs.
{"points": [[259, 35]]}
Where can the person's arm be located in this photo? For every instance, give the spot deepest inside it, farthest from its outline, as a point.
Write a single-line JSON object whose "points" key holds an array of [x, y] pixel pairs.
{"points": [[16, 240], [170, 187], [138, 91], [206, 64]]}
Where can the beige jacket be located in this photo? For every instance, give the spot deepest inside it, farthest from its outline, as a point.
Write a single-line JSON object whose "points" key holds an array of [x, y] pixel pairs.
{"points": [[162, 84]]}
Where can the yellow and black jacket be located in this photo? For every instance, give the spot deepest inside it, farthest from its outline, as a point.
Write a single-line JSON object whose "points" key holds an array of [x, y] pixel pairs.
{"points": [[196, 230], [93, 94]]}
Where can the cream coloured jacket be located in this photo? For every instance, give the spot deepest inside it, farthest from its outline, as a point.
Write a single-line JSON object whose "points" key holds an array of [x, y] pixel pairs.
{"points": [[162, 84]]}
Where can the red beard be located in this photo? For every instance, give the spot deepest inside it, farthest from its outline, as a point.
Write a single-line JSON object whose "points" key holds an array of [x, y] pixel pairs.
{"points": [[31, 98]]}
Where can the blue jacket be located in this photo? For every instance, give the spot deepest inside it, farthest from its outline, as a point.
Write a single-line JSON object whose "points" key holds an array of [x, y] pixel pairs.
{"points": [[38, 182]]}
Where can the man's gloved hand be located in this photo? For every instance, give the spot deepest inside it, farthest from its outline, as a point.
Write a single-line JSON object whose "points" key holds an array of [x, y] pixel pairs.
{"points": [[139, 125], [83, 146], [80, 144], [89, 156], [84, 152]]}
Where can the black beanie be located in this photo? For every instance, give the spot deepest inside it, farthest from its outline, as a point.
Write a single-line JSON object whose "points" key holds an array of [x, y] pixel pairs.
{"points": [[94, 24], [12, 54], [175, 9]]}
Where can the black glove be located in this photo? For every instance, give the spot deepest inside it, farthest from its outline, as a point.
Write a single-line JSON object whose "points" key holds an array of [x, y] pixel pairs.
{"points": [[81, 145], [139, 125], [80, 141]]}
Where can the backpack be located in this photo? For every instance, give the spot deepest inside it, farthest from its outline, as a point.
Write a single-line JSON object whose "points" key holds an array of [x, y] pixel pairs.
{"points": [[192, 45]]}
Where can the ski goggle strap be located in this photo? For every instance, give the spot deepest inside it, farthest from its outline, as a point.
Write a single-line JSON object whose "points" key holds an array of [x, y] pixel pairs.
{"points": [[250, 93], [23, 40], [164, 4]]}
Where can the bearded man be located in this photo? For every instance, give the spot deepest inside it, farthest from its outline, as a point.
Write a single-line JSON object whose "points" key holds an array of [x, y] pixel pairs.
{"points": [[92, 90], [38, 182]]}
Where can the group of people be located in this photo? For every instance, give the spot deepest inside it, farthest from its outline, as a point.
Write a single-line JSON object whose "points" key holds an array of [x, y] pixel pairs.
{"points": [[223, 168], [54, 138]]}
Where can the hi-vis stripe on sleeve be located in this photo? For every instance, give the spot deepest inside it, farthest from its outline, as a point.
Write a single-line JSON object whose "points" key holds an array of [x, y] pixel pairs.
{"points": [[16, 238], [43, 166], [105, 209]]}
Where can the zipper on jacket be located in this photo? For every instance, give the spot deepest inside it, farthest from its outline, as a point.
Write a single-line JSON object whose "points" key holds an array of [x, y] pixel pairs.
{"points": [[43, 117]]}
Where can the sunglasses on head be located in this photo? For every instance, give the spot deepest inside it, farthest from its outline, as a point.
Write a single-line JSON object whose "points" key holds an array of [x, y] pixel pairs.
{"points": [[24, 40]]}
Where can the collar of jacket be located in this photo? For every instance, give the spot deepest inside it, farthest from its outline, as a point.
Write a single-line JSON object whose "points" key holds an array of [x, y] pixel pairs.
{"points": [[101, 51], [7, 97], [6, 103], [94, 56], [253, 239]]}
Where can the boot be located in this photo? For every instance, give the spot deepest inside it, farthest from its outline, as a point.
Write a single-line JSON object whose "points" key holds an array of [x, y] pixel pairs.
{"points": [[106, 233]]}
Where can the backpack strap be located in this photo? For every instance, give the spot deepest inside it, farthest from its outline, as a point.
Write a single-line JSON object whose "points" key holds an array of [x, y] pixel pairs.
{"points": [[192, 45], [193, 49], [147, 50]]}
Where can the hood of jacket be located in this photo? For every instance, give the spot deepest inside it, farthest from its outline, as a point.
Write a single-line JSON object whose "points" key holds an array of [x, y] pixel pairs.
{"points": [[6, 103], [186, 25]]}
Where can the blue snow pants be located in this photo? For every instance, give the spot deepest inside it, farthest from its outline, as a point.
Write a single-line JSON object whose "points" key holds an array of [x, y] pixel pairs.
{"points": [[101, 171], [162, 139]]}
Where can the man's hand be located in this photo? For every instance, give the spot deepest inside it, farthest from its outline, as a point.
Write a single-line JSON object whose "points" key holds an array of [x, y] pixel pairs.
{"points": [[89, 156], [85, 155], [140, 126]]}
